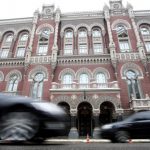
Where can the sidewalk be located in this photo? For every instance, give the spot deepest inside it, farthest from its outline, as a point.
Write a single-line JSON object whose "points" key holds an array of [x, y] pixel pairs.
{"points": [[93, 140]]}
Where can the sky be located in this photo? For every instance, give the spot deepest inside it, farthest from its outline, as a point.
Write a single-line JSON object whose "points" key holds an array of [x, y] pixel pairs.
{"points": [[25, 8]]}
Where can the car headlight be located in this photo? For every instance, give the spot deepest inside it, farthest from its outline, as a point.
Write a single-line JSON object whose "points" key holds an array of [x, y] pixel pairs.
{"points": [[108, 126]]}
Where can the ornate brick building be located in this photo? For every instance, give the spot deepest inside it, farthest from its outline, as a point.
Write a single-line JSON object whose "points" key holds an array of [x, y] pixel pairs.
{"points": [[94, 64]]}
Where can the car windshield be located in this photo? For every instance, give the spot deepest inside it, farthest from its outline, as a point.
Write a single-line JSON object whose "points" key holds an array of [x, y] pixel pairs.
{"points": [[138, 116]]}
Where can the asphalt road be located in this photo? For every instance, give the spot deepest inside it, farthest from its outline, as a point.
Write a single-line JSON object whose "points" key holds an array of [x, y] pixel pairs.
{"points": [[76, 146]]}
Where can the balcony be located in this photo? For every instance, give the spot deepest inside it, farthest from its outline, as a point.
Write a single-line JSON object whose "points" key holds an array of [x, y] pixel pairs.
{"points": [[140, 104], [91, 86]]}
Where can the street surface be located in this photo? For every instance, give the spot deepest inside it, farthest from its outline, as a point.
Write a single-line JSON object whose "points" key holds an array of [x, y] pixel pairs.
{"points": [[76, 146]]}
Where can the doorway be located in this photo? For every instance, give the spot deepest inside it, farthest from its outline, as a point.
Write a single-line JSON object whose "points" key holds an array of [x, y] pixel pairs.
{"points": [[107, 110], [85, 123]]}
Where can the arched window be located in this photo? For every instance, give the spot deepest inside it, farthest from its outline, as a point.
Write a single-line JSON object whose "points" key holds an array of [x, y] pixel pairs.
{"points": [[123, 38], [67, 80], [9, 38], [97, 41], [84, 80], [82, 41], [43, 42], [24, 37], [37, 87], [22, 44], [13, 83], [68, 42], [145, 32], [101, 80], [133, 85]]}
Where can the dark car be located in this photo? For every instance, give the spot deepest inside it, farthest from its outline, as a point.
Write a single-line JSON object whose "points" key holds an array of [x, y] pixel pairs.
{"points": [[25, 119], [137, 126]]}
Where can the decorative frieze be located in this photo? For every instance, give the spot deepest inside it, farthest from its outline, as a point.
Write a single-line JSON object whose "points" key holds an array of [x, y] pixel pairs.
{"points": [[12, 62], [40, 60], [96, 59]]}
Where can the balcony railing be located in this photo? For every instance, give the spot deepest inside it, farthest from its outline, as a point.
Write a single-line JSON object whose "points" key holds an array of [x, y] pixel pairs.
{"points": [[140, 104], [74, 85]]}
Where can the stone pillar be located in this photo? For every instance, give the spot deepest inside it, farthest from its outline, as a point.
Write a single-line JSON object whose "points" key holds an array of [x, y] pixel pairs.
{"points": [[73, 134], [96, 131], [75, 44]]}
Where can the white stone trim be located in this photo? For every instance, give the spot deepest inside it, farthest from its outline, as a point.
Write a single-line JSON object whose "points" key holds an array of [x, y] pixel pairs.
{"points": [[143, 21], [84, 26], [23, 29], [66, 70], [46, 25], [98, 25], [17, 72], [36, 70], [11, 30], [102, 70], [1, 76], [66, 27], [120, 21], [131, 66], [84, 70]]}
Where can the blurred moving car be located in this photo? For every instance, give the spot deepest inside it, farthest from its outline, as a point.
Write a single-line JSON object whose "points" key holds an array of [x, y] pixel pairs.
{"points": [[137, 126], [23, 119]]}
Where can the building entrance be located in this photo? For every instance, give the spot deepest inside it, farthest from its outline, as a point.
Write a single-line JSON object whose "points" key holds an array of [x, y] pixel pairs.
{"points": [[106, 116], [85, 124]]}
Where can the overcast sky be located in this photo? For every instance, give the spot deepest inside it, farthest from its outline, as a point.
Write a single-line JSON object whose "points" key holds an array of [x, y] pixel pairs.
{"points": [[26, 8]]}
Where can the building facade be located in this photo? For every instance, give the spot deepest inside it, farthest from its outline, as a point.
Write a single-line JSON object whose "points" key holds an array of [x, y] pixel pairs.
{"points": [[96, 65]]}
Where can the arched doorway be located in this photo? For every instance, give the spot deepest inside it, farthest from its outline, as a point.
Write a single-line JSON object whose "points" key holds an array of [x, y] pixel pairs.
{"points": [[65, 106], [84, 123], [107, 110]]}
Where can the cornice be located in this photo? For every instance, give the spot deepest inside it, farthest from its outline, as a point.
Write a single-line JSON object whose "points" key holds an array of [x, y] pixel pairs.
{"points": [[16, 21], [80, 60], [12, 62], [141, 13], [82, 15]]}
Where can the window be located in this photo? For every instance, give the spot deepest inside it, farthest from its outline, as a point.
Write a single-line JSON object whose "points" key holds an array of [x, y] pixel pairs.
{"points": [[82, 33], [4, 53], [147, 45], [124, 46], [83, 49], [67, 81], [13, 83], [84, 80], [68, 42], [37, 88], [123, 38], [69, 34], [96, 33], [68, 49], [98, 48], [42, 50], [97, 41], [20, 51], [43, 42], [133, 85], [101, 80], [9, 38], [24, 37], [145, 31]]}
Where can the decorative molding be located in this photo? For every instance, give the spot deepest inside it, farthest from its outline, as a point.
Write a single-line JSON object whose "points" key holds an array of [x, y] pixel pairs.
{"points": [[120, 21], [46, 25], [66, 70], [9, 30], [84, 70], [95, 103], [96, 59], [24, 29], [1, 76], [12, 62], [143, 21], [36, 70], [17, 72], [84, 26], [130, 66], [103, 70], [98, 25], [40, 59], [66, 27]]}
